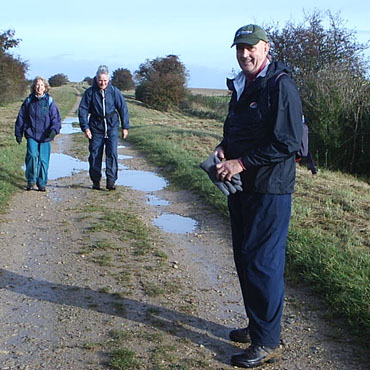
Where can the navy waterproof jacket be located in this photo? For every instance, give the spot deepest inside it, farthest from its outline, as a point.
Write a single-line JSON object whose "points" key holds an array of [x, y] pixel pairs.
{"points": [[264, 129], [37, 117], [115, 110]]}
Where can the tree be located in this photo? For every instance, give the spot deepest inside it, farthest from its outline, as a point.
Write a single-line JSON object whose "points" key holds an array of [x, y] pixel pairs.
{"points": [[58, 80], [7, 41], [161, 82], [122, 79], [331, 73], [12, 70], [88, 80]]}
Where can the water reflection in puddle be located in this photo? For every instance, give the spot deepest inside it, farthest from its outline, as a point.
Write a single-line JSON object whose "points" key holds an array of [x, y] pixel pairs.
{"points": [[123, 157], [70, 126], [155, 201], [141, 180], [175, 224], [62, 165]]}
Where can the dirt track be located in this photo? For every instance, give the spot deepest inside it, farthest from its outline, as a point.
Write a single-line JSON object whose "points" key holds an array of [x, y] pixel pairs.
{"points": [[59, 306]]}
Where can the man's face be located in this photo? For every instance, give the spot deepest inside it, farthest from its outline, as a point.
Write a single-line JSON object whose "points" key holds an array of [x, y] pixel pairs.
{"points": [[102, 81], [251, 58]]}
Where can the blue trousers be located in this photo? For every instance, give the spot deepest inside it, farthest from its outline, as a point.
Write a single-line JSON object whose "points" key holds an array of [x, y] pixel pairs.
{"points": [[96, 148], [259, 224], [37, 162]]}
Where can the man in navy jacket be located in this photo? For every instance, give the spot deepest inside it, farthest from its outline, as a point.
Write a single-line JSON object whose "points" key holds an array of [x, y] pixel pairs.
{"points": [[107, 107], [262, 133]]}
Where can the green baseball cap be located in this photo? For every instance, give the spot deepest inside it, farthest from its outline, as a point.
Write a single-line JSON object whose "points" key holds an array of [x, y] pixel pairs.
{"points": [[250, 34]]}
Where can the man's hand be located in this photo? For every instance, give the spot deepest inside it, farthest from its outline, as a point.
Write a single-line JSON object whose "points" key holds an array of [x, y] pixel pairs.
{"points": [[88, 133], [124, 133], [227, 169], [227, 187], [52, 134]]}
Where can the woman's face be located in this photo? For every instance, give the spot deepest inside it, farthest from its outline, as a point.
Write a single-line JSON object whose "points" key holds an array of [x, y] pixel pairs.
{"points": [[39, 88]]}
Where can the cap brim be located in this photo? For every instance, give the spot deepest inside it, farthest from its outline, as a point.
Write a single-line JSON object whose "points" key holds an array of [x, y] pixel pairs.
{"points": [[250, 41]]}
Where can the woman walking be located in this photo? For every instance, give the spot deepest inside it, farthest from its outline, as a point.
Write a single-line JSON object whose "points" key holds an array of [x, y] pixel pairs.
{"points": [[39, 121]]}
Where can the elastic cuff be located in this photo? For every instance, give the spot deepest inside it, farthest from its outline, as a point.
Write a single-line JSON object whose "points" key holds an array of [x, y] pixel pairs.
{"points": [[241, 163]]}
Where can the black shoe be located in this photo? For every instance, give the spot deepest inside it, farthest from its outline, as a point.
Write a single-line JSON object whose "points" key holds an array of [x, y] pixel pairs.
{"points": [[41, 188], [111, 185], [240, 335], [255, 356], [31, 187], [96, 186]]}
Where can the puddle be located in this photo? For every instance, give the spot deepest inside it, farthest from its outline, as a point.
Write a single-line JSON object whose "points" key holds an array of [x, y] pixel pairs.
{"points": [[62, 165], [123, 157], [175, 224], [155, 201], [70, 126], [141, 180]]}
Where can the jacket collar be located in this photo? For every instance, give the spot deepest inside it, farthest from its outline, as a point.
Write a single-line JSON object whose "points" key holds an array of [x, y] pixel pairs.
{"points": [[240, 80]]}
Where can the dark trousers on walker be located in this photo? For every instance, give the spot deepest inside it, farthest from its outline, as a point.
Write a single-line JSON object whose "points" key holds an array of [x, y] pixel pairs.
{"points": [[259, 224], [96, 147]]}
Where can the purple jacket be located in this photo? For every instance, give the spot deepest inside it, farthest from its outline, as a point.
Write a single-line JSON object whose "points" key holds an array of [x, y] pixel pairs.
{"points": [[37, 117]]}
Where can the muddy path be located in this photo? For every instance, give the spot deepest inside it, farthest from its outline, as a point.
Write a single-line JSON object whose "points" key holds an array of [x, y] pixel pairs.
{"points": [[71, 286]]}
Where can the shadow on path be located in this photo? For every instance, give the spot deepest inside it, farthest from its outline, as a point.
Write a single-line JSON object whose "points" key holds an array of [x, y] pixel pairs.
{"points": [[200, 331]]}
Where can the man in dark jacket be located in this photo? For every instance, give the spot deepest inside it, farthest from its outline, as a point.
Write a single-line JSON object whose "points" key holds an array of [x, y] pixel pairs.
{"points": [[107, 107], [262, 133]]}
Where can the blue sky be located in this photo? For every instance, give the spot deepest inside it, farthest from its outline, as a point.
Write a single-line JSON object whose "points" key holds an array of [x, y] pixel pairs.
{"points": [[75, 36]]}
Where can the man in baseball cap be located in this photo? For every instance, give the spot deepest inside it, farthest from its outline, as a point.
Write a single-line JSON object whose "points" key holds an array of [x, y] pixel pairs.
{"points": [[262, 134]]}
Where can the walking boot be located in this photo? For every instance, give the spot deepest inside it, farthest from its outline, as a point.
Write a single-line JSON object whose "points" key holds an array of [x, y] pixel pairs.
{"points": [[111, 185], [255, 355], [31, 186], [96, 185]]}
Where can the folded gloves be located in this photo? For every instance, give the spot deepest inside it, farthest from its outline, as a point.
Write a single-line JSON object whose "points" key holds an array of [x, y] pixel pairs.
{"points": [[227, 187]]}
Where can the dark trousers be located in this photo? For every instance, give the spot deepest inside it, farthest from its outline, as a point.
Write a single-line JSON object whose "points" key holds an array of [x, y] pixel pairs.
{"points": [[259, 224], [96, 147]]}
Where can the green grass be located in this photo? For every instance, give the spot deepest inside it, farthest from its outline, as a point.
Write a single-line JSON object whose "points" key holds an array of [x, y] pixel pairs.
{"points": [[329, 240], [204, 106], [123, 359], [126, 223]]}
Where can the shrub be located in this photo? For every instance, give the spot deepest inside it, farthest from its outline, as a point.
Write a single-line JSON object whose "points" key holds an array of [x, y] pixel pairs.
{"points": [[122, 79], [88, 80], [12, 70], [58, 80], [161, 82]]}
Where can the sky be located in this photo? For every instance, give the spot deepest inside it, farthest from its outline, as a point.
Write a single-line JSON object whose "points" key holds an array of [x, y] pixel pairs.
{"points": [[74, 37]]}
